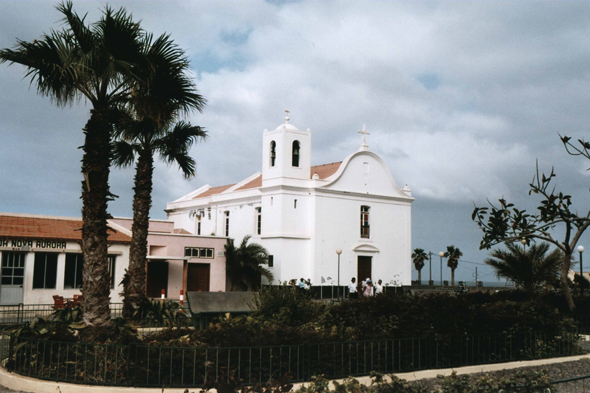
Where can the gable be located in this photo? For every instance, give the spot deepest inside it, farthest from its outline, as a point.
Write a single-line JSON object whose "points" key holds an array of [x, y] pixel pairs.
{"points": [[365, 173]]}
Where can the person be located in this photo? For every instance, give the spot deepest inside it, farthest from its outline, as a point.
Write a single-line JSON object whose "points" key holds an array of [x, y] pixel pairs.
{"points": [[368, 288], [352, 293], [301, 283], [308, 284], [379, 287]]}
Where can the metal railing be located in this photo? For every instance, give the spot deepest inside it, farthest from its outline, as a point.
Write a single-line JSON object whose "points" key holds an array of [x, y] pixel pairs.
{"points": [[571, 385], [154, 366]]}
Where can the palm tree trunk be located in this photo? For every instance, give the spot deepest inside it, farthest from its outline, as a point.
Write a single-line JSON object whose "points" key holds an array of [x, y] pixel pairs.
{"points": [[564, 284], [142, 202], [420, 275], [95, 194], [452, 277]]}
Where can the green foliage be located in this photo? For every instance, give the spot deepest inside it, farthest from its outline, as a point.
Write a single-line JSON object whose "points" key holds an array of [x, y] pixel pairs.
{"points": [[418, 258], [285, 306], [160, 313], [67, 315], [453, 254], [244, 264], [530, 268]]}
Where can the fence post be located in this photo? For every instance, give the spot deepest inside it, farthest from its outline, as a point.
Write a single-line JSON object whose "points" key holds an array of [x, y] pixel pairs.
{"points": [[20, 313], [306, 362], [10, 351]]}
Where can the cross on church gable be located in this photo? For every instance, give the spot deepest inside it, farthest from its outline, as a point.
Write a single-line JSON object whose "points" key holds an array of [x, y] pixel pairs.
{"points": [[364, 132]]}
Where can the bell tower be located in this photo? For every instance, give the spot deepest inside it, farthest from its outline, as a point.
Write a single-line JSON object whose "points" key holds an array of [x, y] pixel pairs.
{"points": [[286, 154]]}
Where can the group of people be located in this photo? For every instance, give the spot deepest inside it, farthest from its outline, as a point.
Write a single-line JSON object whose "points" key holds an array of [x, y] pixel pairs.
{"points": [[367, 288], [302, 284]]}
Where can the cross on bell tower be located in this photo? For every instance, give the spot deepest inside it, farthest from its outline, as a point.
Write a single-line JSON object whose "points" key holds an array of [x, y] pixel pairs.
{"points": [[287, 118], [364, 131]]}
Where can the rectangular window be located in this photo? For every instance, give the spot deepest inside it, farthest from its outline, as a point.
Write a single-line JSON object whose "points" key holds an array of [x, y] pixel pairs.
{"points": [[209, 213], [196, 252], [45, 272], [199, 227], [112, 265], [73, 271], [258, 220], [271, 261], [365, 228], [295, 204], [227, 223], [13, 268]]}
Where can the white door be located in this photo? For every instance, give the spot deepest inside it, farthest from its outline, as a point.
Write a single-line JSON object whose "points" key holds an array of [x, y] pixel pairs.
{"points": [[12, 277]]}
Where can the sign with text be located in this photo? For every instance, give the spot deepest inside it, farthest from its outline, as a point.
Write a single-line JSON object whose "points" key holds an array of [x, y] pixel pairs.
{"points": [[26, 244]]}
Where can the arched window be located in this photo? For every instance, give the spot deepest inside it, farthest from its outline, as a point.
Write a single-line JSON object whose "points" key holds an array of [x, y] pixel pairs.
{"points": [[273, 153], [295, 160]]}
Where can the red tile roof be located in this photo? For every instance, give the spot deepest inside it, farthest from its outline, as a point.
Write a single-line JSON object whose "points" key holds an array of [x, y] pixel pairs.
{"points": [[39, 227], [323, 171], [326, 170], [254, 183], [213, 191]]}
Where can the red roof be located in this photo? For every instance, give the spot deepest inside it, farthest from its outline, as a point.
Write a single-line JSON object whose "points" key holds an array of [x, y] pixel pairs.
{"points": [[326, 170], [213, 191], [50, 228], [254, 183]]}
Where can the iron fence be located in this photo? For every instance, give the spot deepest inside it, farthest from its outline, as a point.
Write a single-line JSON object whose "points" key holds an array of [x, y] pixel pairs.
{"points": [[154, 366], [22, 313], [571, 385]]}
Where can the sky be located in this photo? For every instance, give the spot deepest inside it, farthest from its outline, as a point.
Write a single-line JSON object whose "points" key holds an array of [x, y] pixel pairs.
{"points": [[461, 99]]}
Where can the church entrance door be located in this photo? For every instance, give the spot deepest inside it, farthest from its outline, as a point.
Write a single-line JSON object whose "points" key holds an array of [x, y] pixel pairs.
{"points": [[364, 268], [157, 278], [198, 277]]}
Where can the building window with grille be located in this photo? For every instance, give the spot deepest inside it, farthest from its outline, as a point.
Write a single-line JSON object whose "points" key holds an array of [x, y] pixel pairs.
{"points": [[295, 159], [13, 268], [271, 261], [227, 223], [197, 252], [45, 272], [365, 227], [112, 265], [199, 227], [258, 220], [273, 153]]}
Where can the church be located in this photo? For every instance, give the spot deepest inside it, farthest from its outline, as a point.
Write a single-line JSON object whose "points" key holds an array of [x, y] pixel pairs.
{"points": [[328, 222]]}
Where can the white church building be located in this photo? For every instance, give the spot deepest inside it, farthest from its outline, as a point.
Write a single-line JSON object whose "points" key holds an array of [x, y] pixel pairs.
{"points": [[304, 214]]}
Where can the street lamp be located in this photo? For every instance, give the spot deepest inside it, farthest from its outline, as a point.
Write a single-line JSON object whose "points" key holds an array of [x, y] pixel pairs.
{"points": [[338, 251], [441, 255], [581, 250]]}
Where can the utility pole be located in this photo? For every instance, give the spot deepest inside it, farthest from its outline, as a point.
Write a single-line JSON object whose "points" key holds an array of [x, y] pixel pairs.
{"points": [[430, 265], [475, 275]]}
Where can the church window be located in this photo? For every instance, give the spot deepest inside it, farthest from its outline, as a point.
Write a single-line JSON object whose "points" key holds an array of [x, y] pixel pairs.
{"points": [[208, 213], [199, 228], [271, 261], [112, 264], [271, 201], [227, 223], [258, 220], [295, 160], [45, 272], [365, 228], [295, 204], [273, 153]]}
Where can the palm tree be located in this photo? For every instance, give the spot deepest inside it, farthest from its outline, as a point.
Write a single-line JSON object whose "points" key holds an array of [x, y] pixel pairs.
{"points": [[243, 265], [453, 254], [528, 268], [418, 257], [148, 129], [101, 63], [144, 139]]}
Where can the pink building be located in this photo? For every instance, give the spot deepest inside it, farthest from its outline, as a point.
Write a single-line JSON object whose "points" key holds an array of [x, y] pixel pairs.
{"points": [[178, 260]]}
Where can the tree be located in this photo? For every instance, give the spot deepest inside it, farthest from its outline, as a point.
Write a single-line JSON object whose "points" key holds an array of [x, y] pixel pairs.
{"points": [[146, 129], [243, 265], [418, 257], [529, 268], [101, 63], [507, 224], [453, 254]]}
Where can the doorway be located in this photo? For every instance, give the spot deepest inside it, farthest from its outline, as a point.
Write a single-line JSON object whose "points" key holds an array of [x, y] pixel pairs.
{"points": [[157, 278], [13, 273], [198, 277], [364, 268]]}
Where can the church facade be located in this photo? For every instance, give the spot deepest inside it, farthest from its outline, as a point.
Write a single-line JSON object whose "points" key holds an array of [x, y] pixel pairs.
{"points": [[303, 215]]}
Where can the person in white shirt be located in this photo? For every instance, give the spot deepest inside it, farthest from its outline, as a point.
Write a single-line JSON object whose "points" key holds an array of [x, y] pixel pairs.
{"points": [[352, 293], [379, 287]]}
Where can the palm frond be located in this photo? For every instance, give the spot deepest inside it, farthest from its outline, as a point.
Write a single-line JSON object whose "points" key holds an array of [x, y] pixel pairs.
{"points": [[123, 153]]}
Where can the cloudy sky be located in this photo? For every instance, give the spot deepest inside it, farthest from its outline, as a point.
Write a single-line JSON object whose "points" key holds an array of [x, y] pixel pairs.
{"points": [[460, 99]]}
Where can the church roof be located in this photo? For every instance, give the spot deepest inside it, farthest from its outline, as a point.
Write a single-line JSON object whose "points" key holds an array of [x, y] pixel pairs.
{"points": [[323, 171], [48, 228]]}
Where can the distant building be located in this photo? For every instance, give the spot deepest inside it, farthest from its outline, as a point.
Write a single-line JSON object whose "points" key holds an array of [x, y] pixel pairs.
{"points": [[302, 214], [41, 257]]}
